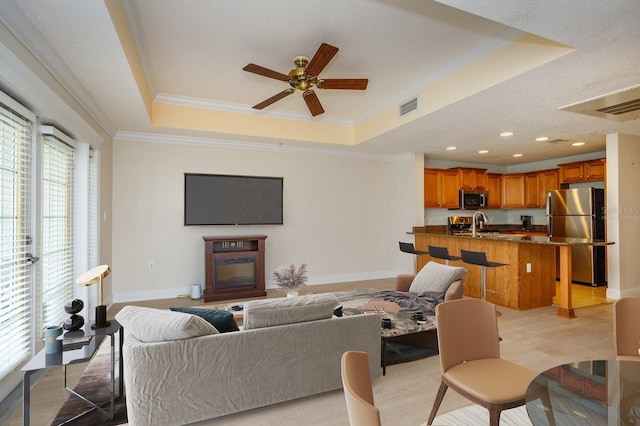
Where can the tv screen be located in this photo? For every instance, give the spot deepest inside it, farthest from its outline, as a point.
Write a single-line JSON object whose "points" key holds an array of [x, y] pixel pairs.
{"points": [[232, 200]]}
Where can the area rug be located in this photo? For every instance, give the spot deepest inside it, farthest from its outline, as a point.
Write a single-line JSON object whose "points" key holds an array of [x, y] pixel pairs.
{"points": [[474, 415], [398, 353], [95, 384]]}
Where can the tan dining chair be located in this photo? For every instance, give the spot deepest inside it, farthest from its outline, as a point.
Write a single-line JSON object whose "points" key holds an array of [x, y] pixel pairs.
{"points": [[626, 328], [470, 360], [358, 391]]}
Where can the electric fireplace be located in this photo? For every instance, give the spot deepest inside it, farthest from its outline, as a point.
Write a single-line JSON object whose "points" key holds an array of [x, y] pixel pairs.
{"points": [[234, 267]]}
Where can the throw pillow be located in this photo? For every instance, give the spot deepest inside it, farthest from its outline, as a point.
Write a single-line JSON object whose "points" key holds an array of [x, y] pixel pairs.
{"points": [[159, 325], [436, 277], [222, 320], [271, 312]]}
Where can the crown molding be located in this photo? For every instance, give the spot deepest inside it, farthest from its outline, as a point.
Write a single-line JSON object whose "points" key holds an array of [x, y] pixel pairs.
{"points": [[167, 98], [16, 21], [255, 146]]}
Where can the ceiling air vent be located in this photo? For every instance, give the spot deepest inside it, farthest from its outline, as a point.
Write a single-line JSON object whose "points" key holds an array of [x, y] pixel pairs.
{"points": [[623, 105], [407, 107]]}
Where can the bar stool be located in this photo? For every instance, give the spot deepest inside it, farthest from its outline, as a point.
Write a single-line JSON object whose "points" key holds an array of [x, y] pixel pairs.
{"points": [[442, 253], [409, 248], [480, 258]]}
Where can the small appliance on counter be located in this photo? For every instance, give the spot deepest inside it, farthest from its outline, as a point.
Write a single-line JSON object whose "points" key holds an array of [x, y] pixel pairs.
{"points": [[527, 222], [459, 224]]}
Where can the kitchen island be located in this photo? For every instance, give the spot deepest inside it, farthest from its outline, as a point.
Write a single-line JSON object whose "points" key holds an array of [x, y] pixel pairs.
{"points": [[528, 279]]}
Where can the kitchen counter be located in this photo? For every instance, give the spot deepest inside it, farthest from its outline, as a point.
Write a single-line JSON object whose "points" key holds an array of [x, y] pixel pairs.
{"points": [[528, 279]]}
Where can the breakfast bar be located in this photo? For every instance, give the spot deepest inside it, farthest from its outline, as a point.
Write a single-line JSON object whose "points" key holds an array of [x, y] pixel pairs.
{"points": [[527, 281]]}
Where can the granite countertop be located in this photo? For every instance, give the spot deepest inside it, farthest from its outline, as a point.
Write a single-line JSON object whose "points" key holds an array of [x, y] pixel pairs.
{"points": [[519, 238]]}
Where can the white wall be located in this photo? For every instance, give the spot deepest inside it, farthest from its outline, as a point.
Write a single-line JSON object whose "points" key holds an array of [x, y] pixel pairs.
{"points": [[343, 215], [623, 214]]}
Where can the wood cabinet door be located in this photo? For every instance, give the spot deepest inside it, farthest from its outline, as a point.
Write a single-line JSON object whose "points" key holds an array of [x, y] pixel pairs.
{"points": [[494, 188], [572, 172], [549, 181], [450, 188], [513, 193], [532, 189], [467, 178], [432, 188], [595, 170]]}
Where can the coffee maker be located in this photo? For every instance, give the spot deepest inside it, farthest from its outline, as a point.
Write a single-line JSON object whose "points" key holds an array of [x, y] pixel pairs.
{"points": [[527, 223]]}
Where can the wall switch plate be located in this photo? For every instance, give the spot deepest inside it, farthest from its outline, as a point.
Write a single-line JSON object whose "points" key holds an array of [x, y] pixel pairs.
{"points": [[528, 267]]}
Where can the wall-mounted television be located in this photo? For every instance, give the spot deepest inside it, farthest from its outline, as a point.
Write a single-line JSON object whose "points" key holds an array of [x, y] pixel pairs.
{"points": [[232, 200]]}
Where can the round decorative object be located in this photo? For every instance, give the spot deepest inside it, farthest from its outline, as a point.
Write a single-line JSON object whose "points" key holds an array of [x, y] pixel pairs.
{"points": [[73, 306], [73, 323]]}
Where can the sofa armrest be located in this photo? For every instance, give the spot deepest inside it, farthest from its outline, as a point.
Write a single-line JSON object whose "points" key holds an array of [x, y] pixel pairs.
{"points": [[454, 291], [403, 281]]}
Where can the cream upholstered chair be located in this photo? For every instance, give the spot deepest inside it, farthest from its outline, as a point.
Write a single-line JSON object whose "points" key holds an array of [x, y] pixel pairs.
{"points": [[470, 359], [358, 390], [626, 328]]}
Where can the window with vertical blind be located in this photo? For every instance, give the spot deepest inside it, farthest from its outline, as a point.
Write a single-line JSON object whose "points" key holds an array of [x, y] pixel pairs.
{"points": [[57, 225], [15, 238]]}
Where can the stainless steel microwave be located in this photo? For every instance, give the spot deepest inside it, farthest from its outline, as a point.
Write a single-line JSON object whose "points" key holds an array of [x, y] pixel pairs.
{"points": [[473, 199]]}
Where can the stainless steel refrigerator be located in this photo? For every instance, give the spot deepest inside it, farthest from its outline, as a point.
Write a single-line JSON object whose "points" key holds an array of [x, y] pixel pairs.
{"points": [[579, 213]]}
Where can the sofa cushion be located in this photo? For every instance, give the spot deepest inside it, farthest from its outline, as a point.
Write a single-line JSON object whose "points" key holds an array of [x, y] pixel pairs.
{"points": [[436, 277], [159, 325], [270, 312], [222, 320]]}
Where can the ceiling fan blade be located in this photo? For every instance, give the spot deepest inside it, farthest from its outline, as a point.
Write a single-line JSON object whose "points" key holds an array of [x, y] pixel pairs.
{"points": [[344, 83], [274, 98], [313, 102], [323, 56], [266, 72]]}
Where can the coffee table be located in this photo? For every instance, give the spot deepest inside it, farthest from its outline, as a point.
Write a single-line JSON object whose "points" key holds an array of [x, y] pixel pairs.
{"points": [[402, 326]]}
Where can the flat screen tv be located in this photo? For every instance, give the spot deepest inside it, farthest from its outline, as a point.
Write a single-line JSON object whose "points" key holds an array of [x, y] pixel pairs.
{"points": [[232, 200]]}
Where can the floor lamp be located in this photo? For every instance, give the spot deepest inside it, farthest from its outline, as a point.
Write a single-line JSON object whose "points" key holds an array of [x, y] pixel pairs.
{"points": [[93, 276]]}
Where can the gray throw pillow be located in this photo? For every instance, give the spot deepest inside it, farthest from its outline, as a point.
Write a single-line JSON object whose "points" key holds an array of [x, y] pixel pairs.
{"points": [[436, 277], [159, 325], [272, 312]]}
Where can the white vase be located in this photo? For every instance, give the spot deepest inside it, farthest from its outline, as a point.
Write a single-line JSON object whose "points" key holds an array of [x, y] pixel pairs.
{"points": [[292, 293]]}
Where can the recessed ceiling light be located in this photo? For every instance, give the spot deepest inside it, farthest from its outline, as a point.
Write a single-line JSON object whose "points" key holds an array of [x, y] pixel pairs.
{"points": [[542, 139], [483, 151], [451, 148], [505, 134], [577, 144], [518, 155]]}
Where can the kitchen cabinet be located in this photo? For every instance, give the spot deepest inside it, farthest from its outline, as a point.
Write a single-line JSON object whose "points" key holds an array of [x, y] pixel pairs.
{"points": [[513, 191], [472, 178], [494, 188], [441, 188], [583, 171], [549, 181], [532, 190]]}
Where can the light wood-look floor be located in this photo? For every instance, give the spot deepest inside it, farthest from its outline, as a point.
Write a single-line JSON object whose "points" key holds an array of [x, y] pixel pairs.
{"points": [[537, 339]]}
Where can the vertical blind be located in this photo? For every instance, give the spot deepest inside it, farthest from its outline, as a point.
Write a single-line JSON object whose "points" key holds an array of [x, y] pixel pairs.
{"points": [[15, 239], [57, 229]]}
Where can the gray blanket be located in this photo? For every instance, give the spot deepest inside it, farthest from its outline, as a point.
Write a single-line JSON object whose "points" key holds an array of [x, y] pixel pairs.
{"points": [[411, 302]]}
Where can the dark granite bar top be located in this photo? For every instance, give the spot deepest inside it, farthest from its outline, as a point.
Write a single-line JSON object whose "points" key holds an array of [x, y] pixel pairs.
{"points": [[518, 238]]}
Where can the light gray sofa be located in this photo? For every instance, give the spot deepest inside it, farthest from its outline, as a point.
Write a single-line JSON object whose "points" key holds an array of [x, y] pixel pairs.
{"points": [[177, 372]]}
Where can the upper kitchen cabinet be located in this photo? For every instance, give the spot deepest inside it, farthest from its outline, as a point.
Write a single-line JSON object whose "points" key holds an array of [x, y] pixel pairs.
{"points": [[494, 188], [532, 190], [548, 181], [472, 178], [513, 191], [441, 188], [583, 171]]}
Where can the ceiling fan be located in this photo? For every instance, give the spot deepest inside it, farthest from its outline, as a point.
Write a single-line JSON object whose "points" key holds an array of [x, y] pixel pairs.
{"points": [[304, 76]]}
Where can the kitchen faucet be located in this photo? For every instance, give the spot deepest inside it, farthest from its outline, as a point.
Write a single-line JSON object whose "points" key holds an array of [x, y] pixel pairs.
{"points": [[484, 218]]}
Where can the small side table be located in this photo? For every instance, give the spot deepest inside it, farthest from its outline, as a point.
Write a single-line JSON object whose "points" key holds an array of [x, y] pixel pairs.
{"points": [[43, 360]]}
